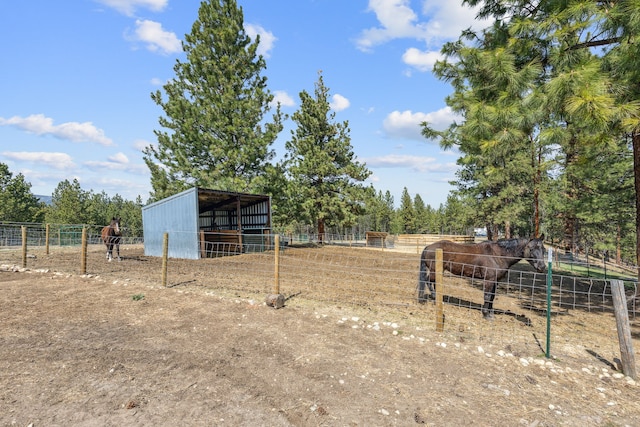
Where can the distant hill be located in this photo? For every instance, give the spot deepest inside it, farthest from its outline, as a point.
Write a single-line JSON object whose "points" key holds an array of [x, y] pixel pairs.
{"points": [[45, 199]]}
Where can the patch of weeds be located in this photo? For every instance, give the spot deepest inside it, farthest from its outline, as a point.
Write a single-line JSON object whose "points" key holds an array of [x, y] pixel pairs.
{"points": [[138, 297]]}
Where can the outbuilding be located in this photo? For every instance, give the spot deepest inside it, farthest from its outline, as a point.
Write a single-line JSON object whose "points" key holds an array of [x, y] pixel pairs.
{"points": [[203, 223]]}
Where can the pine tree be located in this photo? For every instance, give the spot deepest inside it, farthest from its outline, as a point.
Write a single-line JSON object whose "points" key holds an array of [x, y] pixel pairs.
{"points": [[326, 179], [420, 211], [68, 204], [17, 203], [406, 214], [214, 110], [388, 211]]}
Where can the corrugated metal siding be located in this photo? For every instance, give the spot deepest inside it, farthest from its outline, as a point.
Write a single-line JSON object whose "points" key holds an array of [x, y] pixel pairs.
{"points": [[256, 216], [253, 217], [178, 216]]}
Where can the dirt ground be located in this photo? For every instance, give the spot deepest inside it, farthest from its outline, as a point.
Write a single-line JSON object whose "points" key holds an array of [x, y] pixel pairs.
{"points": [[116, 349]]}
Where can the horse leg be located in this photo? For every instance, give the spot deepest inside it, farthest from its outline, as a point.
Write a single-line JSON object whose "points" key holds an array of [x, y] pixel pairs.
{"points": [[118, 251], [109, 253], [489, 295], [426, 278]]}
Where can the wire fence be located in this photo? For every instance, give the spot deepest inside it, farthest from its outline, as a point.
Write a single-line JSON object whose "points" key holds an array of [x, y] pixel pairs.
{"points": [[379, 283]]}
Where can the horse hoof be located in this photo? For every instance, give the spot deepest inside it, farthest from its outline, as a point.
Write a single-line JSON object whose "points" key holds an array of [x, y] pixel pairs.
{"points": [[488, 315]]}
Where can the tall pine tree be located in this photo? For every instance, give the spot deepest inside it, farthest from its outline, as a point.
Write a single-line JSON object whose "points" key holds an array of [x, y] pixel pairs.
{"points": [[215, 133], [326, 179]]}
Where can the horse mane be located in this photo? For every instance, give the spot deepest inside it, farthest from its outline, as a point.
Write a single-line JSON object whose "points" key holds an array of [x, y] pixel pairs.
{"points": [[511, 246], [511, 243]]}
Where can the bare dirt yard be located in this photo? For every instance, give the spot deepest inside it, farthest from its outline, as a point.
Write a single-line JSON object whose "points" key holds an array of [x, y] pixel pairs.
{"points": [[116, 349]]}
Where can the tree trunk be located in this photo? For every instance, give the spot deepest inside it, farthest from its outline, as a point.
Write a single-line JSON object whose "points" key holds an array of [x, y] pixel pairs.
{"points": [[321, 230], [636, 173], [570, 193], [619, 244], [536, 195]]}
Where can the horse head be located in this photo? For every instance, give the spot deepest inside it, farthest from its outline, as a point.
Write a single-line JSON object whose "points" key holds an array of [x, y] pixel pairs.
{"points": [[534, 253], [115, 225]]}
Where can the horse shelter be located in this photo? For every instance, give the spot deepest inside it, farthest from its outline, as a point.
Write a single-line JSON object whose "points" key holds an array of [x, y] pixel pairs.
{"points": [[202, 223]]}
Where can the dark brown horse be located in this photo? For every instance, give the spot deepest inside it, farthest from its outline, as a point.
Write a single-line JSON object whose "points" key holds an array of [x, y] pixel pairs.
{"points": [[488, 261], [111, 236]]}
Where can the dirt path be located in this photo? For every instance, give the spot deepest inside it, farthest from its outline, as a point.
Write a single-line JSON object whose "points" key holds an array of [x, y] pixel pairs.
{"points": [[92, 352]]}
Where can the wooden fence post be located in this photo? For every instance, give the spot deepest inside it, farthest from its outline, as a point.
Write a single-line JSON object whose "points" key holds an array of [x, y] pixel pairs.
{"points": [[276, 282], [624, 331], [165, 255], [276, 299], [46, 243], [24, 246], [439, 289], [83, 260]]}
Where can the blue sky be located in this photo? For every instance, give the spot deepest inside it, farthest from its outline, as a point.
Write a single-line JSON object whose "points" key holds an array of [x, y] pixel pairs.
{"points": [[77, 77]]}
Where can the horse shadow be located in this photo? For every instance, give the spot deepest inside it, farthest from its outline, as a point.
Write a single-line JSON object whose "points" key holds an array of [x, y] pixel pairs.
{"points": [[134, 258], [459, 302]]}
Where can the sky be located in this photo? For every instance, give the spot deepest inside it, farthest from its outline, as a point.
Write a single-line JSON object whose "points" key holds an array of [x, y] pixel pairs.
{"points": [[78, 75]]}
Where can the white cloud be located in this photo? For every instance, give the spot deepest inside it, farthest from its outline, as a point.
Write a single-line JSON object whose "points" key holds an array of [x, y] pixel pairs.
{"points": [[71, 131], [339, 103], [115, 163], [156, 38], [397, 20], [54, 160], [267, 39], [283, 98], [406, 124], [119, 158], [447, 19], [155, 81], [440, 21], [141, 144], [415, 163], [421, 60], [120, 185], [128, 7]]}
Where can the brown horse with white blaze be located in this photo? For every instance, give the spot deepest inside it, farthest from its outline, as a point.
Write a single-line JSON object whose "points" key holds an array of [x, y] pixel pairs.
{"points": [[112, 236], [488, 261]]}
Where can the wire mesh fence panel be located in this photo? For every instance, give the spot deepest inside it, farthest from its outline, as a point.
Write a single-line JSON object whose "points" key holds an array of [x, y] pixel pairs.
{"points": [[379, 281]]}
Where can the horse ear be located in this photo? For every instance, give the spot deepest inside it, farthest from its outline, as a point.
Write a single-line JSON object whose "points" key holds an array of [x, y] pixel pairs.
{"points": [[542, 237]]}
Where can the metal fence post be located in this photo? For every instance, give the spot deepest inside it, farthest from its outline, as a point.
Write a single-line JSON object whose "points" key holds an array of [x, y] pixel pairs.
{"points": [[24, 246], [83, 261], [165, 255]]}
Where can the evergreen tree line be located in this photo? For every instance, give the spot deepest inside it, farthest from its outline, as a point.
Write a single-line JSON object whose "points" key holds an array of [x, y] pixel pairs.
{"points": [[70, 204], [413, 216]]}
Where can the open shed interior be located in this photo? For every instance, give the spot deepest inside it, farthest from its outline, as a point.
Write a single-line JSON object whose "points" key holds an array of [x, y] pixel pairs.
{"points": [[232, 222]]}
